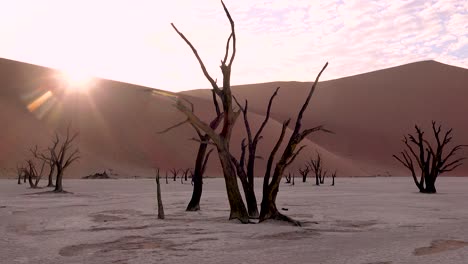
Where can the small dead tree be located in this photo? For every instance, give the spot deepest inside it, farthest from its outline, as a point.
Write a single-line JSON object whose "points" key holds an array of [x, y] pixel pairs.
{"points": [[322, 179], [167, 181], [185, 173], [333, 178], [174, 173], [62, 156], [49, 161], [271, 182], [304, 172], [431, 160], [158, 196], [246, 173], [20, 172], [32, 174], [317, 168], [288, 178]]}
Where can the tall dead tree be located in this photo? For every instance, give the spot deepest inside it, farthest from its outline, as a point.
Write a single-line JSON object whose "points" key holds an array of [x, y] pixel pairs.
{"points": [[62, 156], [222, 139], [158, 197], [271, 182], [202, 156], [431, 160], [246, 173]]}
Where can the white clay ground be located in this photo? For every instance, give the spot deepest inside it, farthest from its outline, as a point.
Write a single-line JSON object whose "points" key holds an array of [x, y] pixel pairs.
{"points": [[360, 220]]}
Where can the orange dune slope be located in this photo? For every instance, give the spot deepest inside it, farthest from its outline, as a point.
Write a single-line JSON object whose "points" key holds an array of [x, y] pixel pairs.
{"points": [[371, 112], [118, 122]]}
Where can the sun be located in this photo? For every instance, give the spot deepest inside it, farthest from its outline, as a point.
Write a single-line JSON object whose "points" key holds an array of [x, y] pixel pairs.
{"points": [[76, 80]]}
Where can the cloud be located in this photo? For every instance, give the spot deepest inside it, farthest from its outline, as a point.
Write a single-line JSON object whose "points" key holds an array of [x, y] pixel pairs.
{"points": [[277, 40]]}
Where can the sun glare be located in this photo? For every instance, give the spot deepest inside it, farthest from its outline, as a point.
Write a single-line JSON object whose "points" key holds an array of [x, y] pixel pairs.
{"points": [[76, 80]]}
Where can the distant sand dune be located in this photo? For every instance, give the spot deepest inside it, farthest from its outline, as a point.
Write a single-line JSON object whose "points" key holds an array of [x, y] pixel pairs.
{"points": [[118, 122]]}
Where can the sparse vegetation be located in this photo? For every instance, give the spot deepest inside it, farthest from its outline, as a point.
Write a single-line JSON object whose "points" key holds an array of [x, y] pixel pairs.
{"points": [[431, 157]]}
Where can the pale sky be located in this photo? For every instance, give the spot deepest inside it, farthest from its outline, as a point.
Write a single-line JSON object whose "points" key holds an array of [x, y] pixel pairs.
{"points": [[278, 40]]}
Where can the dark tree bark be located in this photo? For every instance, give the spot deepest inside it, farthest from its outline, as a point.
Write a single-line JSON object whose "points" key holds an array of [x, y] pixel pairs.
{"points": [[271, 186], [333, 178], [32, 174], [62, 157], [247, 178], [20, 172], [158, 197], [317, 169], [288, 178], [220, 140], [304, 172], [197, 177], [431, 161], [174, 172], [49, 161]]}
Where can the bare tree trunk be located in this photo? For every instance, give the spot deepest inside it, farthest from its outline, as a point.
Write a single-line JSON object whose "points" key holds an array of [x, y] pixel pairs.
{"points": [[271, 188], [58, 181], [238, 210], [158, 197], [51, 174], [197, 179]]}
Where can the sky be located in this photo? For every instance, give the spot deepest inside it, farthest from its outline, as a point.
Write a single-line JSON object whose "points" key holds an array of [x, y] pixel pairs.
{"points": [[278, 40]]}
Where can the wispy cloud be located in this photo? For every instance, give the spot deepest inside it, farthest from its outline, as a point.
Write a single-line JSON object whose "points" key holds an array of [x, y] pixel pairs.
{"points": [[277, 40]]}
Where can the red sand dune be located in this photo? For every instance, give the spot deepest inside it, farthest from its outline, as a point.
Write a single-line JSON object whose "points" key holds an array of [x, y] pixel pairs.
{"points": [[118, 122]]}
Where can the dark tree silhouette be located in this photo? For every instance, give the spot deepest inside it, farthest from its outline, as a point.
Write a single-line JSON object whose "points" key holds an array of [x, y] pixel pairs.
{"points": [[202, 157], [431, 160], [49, 161], [246, 175], [271, 182], [62, 156], [158, 197], [333, 178], [174, 173], [32, 174], [304, 172], [20, 172], [317, 169], [288, 177], [222, 139]]}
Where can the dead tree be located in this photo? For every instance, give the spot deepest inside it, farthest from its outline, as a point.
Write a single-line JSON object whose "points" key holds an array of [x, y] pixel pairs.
{"points": [[271, 182], [167, 181], [174, 173], [246, 173], [202, 157], [49, 161], [431, 160], [288, 178], [62, 156], [20, 172], [222, 139], [304, 172], [32, 174], [317, 169], [158, 197], [322, 179], [333, 178], [185, 173]]}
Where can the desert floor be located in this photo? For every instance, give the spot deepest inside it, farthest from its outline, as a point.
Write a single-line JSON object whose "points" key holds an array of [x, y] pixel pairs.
{"points": [[360, 220]]}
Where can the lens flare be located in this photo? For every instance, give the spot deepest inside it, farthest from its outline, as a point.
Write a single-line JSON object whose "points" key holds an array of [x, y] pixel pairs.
{"points": [[76, 80]]}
